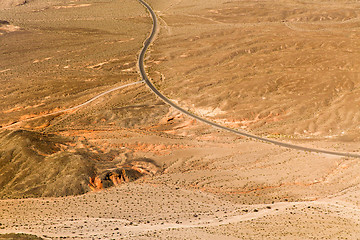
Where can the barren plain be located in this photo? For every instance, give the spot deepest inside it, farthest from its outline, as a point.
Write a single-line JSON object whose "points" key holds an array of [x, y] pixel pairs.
{"points": [[285, 70]]}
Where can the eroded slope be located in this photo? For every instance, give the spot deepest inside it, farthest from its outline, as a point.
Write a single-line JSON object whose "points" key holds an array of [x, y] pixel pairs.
{"points": [[285, 68], [39, 165]]}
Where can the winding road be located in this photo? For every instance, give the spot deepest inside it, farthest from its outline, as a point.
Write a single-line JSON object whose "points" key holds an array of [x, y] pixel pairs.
{"points": [[147, 43]]}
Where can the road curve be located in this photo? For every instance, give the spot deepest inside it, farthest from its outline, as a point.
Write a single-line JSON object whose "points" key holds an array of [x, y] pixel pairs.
{"points": [[147, 43]]}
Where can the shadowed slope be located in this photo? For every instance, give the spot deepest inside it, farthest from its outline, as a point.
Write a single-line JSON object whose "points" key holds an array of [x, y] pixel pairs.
{"points": [[34, 165]]}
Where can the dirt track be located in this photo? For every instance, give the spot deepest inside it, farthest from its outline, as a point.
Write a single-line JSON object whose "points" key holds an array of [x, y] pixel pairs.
{"points": [[284, 70]]}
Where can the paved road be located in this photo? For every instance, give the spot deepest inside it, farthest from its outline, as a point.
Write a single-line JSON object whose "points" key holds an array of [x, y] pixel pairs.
{"points": [[147, 43]]}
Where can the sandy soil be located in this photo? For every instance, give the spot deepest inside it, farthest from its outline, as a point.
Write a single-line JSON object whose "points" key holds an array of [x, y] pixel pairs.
{"points": [[169, 212], [74, 52], [8, 4], [286, 69]]}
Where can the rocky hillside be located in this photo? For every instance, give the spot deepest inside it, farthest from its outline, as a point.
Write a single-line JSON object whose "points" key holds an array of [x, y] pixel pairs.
{"points": [[36, 165]]}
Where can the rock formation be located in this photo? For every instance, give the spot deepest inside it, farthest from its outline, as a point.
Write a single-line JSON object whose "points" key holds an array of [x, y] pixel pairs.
{"points": [[124, 173], [95, 183]]}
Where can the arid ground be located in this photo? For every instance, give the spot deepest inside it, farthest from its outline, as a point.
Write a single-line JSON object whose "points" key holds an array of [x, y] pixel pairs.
{"points": [[286, 70]]}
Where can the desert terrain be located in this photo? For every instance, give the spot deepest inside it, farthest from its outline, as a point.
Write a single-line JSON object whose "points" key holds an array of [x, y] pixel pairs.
{"points": [[74, 109]]}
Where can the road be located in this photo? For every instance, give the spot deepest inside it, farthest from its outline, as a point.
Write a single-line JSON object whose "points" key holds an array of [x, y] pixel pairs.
{"points": [[72, 108], [143, 74]]}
